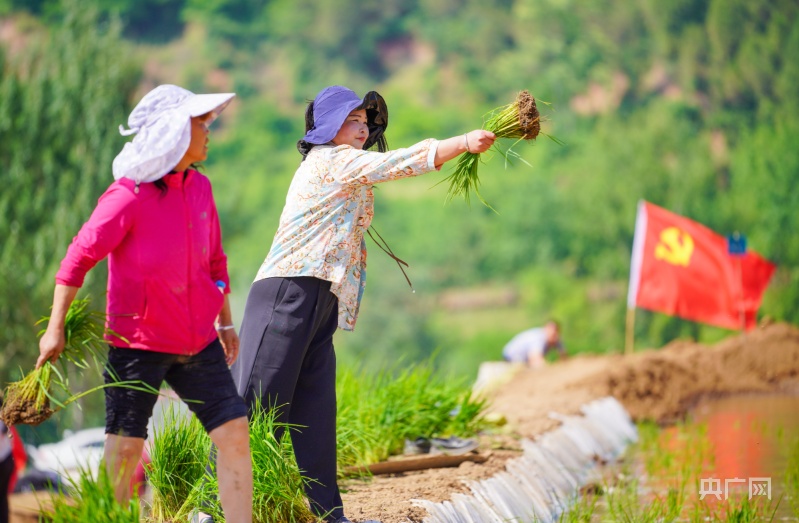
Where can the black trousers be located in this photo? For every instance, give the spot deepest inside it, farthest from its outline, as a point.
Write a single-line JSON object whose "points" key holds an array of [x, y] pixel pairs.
{"points": [[287, 360], [6, 470]]}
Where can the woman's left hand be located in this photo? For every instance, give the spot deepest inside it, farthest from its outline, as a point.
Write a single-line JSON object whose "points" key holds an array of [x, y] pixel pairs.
{"points": [[230, 342]]}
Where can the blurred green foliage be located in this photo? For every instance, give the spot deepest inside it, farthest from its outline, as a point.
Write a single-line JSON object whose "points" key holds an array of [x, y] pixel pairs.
{"points": [[688, 104], [57, 96]]}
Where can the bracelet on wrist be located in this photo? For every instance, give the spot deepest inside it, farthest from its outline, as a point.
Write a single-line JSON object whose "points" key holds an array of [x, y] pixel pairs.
{"points": [[225, 327]]}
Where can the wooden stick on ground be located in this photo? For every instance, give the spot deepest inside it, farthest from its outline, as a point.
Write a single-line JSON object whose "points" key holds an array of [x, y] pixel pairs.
{"points": [[416, 463]]}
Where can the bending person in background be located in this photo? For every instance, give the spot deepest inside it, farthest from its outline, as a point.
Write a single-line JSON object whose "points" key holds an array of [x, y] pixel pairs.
{"points": [[314, 275], [532, 346], [158, 225]]}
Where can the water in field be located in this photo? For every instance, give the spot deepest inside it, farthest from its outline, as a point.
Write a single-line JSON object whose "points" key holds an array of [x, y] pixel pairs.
{"points": [[732, 448], [755, 438]]}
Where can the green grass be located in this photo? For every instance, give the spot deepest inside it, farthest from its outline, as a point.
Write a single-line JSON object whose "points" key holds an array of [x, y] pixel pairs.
{"points": [[792, 476], [741, 509], [92, 500], [582, 511], [624, 504]]}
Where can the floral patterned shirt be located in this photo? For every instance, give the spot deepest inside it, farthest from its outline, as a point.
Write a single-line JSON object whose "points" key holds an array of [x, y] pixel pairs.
{"points": [[328, 209]]}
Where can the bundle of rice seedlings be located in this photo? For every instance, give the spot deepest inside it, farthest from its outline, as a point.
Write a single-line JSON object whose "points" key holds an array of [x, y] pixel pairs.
{"points": [[28, 401], [87, 499], [278, 493], [519, 120], [398, 403], [178, 459]]}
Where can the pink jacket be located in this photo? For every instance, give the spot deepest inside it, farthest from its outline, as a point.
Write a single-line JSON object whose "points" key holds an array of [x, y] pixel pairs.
{"points": [[164, 259]]}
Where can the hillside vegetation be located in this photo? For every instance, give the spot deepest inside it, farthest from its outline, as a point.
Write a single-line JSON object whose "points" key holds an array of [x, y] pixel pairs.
{"points": [[689, 104]]}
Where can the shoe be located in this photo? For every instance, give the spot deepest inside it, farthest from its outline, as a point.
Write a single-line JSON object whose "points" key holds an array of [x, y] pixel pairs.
{"points": [[200, 517], [417, 446], [452, 446]]}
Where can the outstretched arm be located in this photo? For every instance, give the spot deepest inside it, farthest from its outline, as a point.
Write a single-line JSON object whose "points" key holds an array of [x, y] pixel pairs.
{"points": [[51, 345], [368, 167], [477, 141]]}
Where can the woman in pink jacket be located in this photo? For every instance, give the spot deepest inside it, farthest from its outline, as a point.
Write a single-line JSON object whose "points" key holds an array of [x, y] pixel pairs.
{"points": [[167, 287]]}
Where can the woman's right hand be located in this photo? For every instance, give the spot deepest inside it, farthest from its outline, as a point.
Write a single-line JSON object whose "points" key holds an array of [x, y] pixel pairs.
{"points": [[51, 344], [479, 140]]}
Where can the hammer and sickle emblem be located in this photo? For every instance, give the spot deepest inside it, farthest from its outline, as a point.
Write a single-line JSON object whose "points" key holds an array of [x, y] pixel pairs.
{"points": [[675, 247]]}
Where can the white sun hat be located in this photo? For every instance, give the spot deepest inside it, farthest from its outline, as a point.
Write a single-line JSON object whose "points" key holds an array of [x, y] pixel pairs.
{"points": [[162, 124]]}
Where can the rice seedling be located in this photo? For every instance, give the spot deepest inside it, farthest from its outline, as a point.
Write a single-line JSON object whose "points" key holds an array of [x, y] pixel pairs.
{"points": [[29, 400], [624, 503], [738, 509], [356, 439], [181, 480], [379, 411], [519, 120], [278, 493], [91, 500], [178, 457]]}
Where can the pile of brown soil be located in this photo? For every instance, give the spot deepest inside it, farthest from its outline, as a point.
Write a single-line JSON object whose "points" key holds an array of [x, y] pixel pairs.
{"points": [[662, 385], [654, 384]]}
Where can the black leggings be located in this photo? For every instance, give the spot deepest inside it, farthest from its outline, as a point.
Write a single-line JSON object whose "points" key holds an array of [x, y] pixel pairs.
{"points": [[6, 470]]}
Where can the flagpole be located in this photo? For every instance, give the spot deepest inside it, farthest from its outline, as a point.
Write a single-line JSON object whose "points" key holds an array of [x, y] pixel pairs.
{"points": [[639, 238], [630, 331]]}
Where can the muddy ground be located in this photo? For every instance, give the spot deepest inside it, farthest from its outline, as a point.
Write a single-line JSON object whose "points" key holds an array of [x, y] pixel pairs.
{"points": [[661, 385]]}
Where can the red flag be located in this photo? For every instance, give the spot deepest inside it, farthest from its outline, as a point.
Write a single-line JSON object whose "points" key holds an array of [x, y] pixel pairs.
{"points": [[682, 268]]}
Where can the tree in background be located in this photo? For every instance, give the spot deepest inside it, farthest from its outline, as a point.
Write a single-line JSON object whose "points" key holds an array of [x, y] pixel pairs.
{"points": [[61, 100], [686, 103]]}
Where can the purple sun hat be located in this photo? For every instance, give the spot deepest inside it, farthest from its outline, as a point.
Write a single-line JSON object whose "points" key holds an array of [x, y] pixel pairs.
{"points": [[330, 109]]}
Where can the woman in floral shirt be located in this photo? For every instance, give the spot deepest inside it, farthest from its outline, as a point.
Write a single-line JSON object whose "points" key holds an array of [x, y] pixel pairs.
{"points": [[313, 278]]}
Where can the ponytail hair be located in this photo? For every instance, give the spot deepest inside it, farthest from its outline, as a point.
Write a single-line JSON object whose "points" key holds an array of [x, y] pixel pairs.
{"points": [[302, 146]]}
